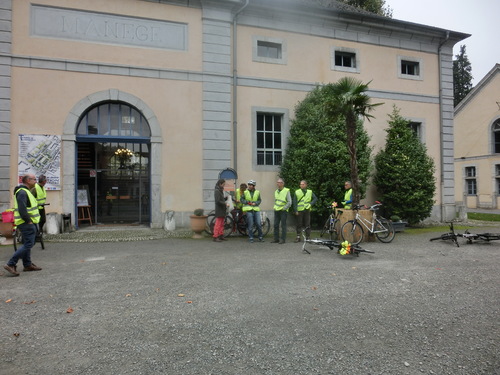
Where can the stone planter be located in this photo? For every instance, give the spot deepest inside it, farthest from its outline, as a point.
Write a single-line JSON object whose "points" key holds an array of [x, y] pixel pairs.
{"points": [[399, 226], [198, 225], [6, 231]]}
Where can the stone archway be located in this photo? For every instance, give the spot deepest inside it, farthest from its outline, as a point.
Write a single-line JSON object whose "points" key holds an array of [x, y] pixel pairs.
{"points": [[69, 142]]}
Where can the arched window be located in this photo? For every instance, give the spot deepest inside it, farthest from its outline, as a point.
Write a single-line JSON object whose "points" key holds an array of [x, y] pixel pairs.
{"points": [[114, 119], [496, 137]]}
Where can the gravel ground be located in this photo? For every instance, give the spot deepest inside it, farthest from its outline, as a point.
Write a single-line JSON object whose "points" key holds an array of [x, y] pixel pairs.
{"points": [[183, 306]]}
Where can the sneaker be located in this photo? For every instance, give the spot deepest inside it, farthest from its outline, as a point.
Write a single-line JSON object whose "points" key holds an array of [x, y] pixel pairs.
{"points": [[32, 267], [217, 239], [261, 239], [297, 239], [222, 238], [281, 242], [250, 240], [11, 269]]}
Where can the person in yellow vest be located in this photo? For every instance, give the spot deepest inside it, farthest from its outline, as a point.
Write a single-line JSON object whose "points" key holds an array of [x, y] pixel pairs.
{"points": [[304, 199], [348, 195], [40, 194], [282, 201], [26, 218], [251, 202], [239, 194]]}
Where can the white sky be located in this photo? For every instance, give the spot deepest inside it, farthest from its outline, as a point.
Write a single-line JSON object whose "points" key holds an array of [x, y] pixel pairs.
{"points": [[477, 17]]}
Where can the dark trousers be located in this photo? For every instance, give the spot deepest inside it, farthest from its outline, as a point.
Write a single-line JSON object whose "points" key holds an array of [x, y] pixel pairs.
{"points": [[280, 218], [304, 222], [24, 252]]}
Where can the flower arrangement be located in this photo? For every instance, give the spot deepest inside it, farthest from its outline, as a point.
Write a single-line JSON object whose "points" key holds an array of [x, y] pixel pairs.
{"points": [[345, 248]]}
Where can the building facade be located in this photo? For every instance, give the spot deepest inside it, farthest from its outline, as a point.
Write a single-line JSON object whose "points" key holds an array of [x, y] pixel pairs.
{"points": [[150, 99], [477, 145]]}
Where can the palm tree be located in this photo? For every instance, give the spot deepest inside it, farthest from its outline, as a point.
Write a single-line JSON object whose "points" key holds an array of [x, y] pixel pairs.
{"points": [[350, 101]]}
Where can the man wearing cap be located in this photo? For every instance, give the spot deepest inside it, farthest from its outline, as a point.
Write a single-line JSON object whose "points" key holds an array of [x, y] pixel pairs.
{"points": [[251, 202], [282, 202], [304, 199], [26, 217]]}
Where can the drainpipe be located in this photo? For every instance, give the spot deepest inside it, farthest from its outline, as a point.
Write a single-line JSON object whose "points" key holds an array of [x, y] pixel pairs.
{"points": [[441, 114], [235, 88]]}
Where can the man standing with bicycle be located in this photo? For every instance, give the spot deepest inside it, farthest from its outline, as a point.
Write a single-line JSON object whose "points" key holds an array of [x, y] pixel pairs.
{"points": [[251, 202], [26, 217], [304, 199]]}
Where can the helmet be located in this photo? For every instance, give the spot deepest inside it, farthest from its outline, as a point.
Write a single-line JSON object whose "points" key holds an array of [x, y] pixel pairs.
{"points": [[252, 182]]}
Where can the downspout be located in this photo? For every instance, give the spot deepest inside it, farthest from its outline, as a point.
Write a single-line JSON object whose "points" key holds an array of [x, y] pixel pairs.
{"points": [[441, 114], [235, 88]]}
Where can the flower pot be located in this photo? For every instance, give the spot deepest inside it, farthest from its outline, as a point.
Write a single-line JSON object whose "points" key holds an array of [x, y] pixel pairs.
{"points": [[6, 231], [198, 225]]}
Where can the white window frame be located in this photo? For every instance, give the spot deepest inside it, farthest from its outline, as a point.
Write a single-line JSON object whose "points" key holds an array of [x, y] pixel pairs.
{"points": [[255, 48], [497, 179], [417, 60], [470, 179], [357, 63], [284, 113]]}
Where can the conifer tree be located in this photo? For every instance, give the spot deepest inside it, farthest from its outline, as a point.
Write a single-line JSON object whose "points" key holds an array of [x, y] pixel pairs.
{"points": [[317, 150], [462, 76], [405, 173]]}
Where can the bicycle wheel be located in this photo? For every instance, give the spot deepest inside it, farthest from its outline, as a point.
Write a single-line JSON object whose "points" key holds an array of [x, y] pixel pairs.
{"points": [[14, 239], [335, 230], [352, 232], [326, 226], [388, 233], [208, 227], [241, 225], [40, 239], [228, 226]]}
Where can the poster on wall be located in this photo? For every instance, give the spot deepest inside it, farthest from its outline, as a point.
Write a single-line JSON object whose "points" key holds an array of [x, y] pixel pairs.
{"points": [[40, 154]]}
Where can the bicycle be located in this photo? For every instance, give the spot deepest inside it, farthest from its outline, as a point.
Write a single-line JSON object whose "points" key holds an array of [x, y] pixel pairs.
{"points": [[332, 224], [451, 235], [353, 231], [236, 221], [17, 236], [354, 249]]}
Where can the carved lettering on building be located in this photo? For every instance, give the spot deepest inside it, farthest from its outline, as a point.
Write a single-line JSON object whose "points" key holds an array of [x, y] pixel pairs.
{"points": [[86, 26]]}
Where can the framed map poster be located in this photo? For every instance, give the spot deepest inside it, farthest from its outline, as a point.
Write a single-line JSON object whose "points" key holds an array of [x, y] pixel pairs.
{"points": [[40, 154]]}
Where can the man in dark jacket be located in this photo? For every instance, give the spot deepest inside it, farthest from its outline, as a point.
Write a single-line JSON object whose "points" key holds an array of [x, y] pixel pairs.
{"points": [[26, 217]]}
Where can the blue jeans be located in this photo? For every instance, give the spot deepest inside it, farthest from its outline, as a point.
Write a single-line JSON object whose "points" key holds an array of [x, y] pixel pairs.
{"points": [[254, 217], [24, 252], [280, 218]]}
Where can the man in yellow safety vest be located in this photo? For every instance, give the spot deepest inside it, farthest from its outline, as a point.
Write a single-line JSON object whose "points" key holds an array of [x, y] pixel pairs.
{"points": [[251, 201], [26, 217], [282, 201], [304, 199], [41, 196], [348, 195]]}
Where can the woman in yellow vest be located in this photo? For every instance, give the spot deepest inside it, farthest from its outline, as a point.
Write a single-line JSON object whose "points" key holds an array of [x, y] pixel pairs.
{"points": [[304, 199], [26, 217], [251, 202], [282, 201]]}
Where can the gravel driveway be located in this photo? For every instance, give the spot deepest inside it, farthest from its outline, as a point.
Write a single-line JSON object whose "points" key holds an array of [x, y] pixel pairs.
{"points": [[183, 306]]}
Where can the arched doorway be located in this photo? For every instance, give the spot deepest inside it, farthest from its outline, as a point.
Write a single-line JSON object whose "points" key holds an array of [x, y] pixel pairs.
{"points": [[113, 163]]}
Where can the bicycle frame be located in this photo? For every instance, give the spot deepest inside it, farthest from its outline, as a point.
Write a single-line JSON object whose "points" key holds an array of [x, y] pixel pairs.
{"points": [[370, 225]]}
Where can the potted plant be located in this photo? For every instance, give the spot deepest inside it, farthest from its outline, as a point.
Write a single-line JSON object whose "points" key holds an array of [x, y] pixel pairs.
{"points": [[398, 224], [198, 222]]}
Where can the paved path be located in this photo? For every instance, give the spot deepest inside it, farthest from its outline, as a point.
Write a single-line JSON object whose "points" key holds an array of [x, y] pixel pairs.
{"points": [[183, 306]]}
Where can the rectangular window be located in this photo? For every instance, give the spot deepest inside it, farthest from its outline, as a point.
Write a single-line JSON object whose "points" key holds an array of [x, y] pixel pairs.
{"points": [[497, 177], [268, 49], [269, 138], [345, 59], [470, 180], [416, 127], [411, 68]]}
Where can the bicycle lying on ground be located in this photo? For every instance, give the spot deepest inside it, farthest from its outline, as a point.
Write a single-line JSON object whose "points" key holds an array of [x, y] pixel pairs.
{"points": [[353, 231], [343, 248], [470, 237], [332, 224], [236, 221]]}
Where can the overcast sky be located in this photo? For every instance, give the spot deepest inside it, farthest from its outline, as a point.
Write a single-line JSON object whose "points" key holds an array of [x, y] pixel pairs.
{"points": [[480, 18]]}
